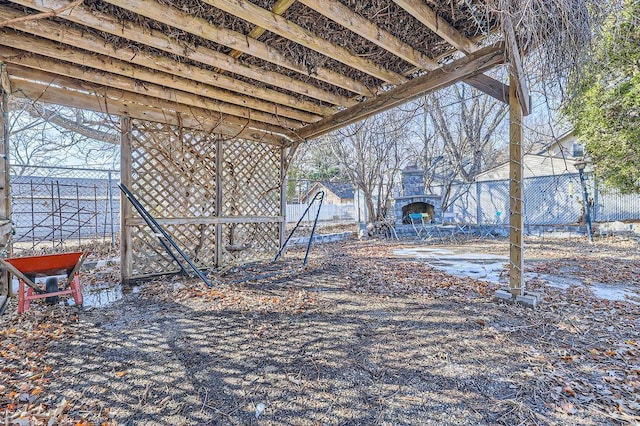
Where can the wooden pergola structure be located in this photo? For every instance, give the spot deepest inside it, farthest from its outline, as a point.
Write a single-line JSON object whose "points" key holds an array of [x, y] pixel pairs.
{"points": [[214, 96]]}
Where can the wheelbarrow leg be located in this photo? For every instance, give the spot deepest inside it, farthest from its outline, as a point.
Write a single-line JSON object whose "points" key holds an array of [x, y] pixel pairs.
{"points": [[21, 297], [77, 289], [24, 299]]}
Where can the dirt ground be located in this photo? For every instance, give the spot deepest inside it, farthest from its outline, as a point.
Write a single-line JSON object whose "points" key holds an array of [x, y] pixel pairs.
{"points": [[361, 336]]}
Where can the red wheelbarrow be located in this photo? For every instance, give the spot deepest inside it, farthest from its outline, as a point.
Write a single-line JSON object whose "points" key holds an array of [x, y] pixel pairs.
{"points": [[43, 266]]}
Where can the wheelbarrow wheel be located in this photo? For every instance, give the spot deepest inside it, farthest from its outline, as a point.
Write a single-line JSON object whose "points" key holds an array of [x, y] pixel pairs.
{"points": [[51, 286]]}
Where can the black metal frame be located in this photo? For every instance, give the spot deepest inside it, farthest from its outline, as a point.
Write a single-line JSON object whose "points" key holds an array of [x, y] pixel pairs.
{"points": [[319, 194], [163, 236]]}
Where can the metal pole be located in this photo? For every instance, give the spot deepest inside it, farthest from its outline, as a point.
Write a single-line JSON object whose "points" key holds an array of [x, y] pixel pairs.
{"points": [[113, 233], [95, 208], [33, 217], [587, 208], [53, 216], [79, 210]]}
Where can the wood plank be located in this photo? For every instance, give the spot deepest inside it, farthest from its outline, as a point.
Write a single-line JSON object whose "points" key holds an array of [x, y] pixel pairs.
{"points": [[126, 89], [208, 220], [219, 203], [450, 73], [490, 86], [342, 15], [279, 8], [283, 196], [126, 211], [171, 16], [428, 17], [278, 25], [53, 50], [91, 43], [99, 103], [517, 68], [43, 81], [516, 241], [5, 84], [5, 181], [131, 31]]}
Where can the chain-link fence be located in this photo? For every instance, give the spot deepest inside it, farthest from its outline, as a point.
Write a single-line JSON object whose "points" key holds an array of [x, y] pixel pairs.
{"points": [[548, 200], [52, 206]]}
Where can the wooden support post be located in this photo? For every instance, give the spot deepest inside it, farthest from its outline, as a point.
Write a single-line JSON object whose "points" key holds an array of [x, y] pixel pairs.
{"points": [[219, 195], [126, 249], [516, 243], [283, 195], [5, 199]]}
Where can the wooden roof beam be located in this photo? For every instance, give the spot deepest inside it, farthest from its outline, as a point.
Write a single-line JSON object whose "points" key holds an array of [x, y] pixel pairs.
{"points": [[131, 31], [453, 72], [202, 28], [82, 39], [429, 18], [517, 68], [342, 15], [48, 79], [279, 8], [98, 103], [54, 51], [102, 78], [143, 99], [278, 25]]}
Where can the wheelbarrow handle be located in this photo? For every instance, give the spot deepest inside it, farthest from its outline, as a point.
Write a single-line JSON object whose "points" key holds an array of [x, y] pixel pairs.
{"points": [[15, 271], [77, 267]]}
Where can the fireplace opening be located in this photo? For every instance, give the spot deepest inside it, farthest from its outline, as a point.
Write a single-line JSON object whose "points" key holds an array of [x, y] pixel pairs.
{"points": [[418, 207]]}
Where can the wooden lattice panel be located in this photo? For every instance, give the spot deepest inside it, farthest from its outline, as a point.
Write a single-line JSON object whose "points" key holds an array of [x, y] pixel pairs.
{"points": [[174, 169], [149, 257], [251, 179], [173, 176], [243, 242]]}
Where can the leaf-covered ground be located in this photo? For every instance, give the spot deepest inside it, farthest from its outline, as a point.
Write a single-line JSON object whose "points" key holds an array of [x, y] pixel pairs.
{"points": [[359, 336]]}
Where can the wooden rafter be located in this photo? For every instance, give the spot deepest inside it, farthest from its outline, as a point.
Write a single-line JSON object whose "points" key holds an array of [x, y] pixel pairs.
{"points": [[342, 15], [517, 68], [122, 67], [453, 72], [437, 24], [140, 98], [279, 8], [132, 98], [90, 43], [278, 25], [96, 76], [234, 40], [99, 103], [429, 18], [131, 31]]}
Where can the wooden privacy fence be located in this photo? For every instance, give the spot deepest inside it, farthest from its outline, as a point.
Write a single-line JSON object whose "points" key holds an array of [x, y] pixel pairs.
{"points": [[220, 199]]}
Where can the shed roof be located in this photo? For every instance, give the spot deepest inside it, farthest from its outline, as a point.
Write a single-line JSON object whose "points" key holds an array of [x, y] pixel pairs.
{"points": [[269, 70], [534, 165]]}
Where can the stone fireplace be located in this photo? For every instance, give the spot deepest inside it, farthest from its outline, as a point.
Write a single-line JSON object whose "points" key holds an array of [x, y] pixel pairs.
{"points": [[414, 200]]}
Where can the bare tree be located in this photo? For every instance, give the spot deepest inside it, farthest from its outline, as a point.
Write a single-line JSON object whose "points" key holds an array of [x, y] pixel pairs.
{"points": [[460, 137], [371, 154], [42, 134]]}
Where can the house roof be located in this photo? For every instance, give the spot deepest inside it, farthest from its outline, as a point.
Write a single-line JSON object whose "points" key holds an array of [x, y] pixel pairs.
{"points": [[558, 141], [344, 191], [276, 71], [534, 165]]}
